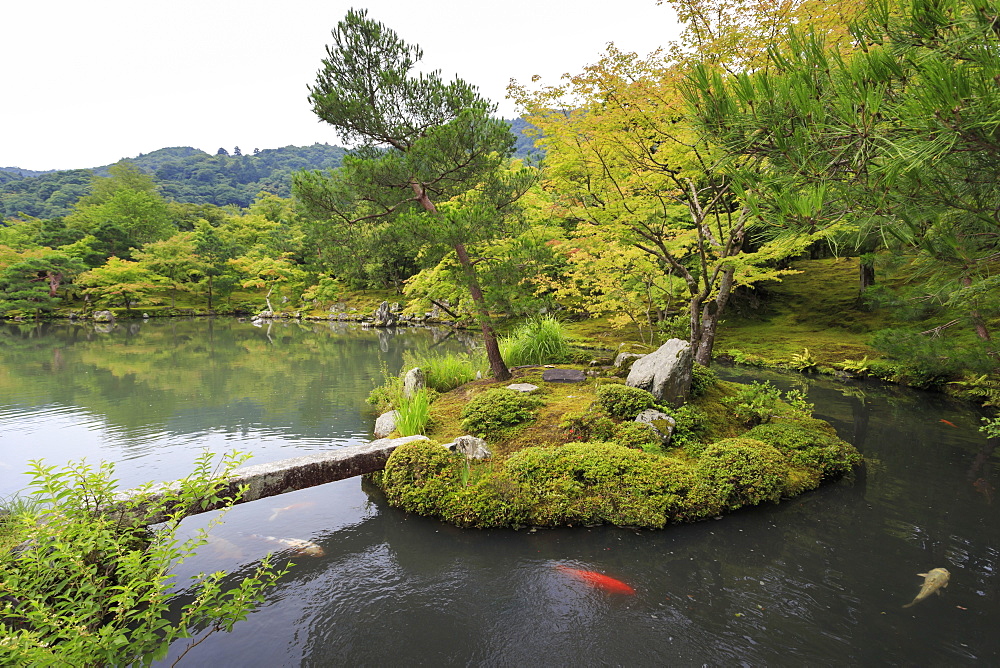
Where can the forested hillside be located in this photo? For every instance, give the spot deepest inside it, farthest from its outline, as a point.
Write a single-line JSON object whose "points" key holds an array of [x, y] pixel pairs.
{"points": [[185, 174]]}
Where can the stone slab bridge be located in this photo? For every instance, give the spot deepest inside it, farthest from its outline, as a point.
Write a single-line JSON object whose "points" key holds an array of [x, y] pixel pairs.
{"points": [[264, 480]]}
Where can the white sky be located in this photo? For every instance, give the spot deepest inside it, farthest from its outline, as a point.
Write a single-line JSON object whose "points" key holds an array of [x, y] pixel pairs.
{"points": [[87, 83]]}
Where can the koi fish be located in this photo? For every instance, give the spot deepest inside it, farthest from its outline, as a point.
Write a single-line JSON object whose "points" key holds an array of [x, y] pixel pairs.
{"points": [[223, 548], [950, 424], [605, 582], [984, 488], [934, 581], [304, 547], [275, 512]]}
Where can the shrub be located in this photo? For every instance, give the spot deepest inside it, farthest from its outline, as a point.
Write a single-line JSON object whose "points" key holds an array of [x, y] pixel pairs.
{"points": [[496, 410], [755, 403], [587, 425], [690, 428], [386, 396], [418, 476], [637, 436], [702, 380], [413, 413], [811, 444], [90, 589], [538, 341], [736, 472], [622, 401]]}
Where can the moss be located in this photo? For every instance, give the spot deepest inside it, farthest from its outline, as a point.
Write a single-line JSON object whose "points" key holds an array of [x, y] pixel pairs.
{"points": [[736, 472], [495, 411], [809, 444], [419, 476], [622, 401]]}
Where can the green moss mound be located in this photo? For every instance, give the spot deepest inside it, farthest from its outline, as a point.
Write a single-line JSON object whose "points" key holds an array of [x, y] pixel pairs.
{"points": [[622, 401], [496, 410], [737, 472], [810, 444]]}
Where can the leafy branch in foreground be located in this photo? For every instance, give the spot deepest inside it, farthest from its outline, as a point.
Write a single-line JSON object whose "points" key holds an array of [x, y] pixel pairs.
{"points": [[89, 588]]}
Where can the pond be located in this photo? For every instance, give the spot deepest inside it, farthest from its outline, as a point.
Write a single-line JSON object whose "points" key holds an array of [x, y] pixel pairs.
{"points": [[819, 580]]}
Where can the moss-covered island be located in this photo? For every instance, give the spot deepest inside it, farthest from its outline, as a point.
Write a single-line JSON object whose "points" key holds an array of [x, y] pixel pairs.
{"points": [[570, 454]]}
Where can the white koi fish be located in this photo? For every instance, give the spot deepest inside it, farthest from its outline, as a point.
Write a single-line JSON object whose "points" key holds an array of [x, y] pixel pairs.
{"points": [[934, 581], [297, 545], [276, 512]]}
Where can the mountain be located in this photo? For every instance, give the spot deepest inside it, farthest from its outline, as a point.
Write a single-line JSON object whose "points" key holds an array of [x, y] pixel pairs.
{"points": [[187, 174]]}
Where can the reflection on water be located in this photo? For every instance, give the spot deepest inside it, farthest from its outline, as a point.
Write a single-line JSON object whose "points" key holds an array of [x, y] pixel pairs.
{"points": [[818, 581]]}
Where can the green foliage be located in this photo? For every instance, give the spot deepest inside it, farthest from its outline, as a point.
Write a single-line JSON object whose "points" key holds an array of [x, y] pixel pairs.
{"points": [[539, 341], [702, 379], [755, 403], [414, 413], [991, 427], [445, 371], [90, 588], [496, 410], [419, 476], [983, 388], [736, 472], [638, 436], [930, 361], [810, 444], [803, 361], [622, 401], [587, 425], [387, 396], [689, 430]]}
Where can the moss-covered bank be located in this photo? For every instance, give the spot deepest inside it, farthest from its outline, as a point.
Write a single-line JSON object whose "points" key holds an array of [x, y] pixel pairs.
{"points": [[569, 454]]}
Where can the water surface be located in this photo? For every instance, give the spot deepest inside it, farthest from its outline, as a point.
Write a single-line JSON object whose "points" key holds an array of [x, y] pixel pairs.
{"points": [[819, 580]]}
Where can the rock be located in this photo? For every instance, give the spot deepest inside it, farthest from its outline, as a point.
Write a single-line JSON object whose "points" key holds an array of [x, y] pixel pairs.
{"points": [[665, 373], [386, 424], [414, 381], [104, 316], [662, 424], [145, 316], [470, 446], [522, 387], [385, 316], [563, 376], [626, 360]]}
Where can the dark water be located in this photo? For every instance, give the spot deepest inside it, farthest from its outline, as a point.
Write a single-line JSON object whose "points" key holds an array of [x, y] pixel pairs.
{"points": [[817, 581]]}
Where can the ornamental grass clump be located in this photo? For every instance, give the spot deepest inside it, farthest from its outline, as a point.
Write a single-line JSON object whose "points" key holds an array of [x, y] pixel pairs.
{"points": [[538, 341], [413, 413], [445, 371]]}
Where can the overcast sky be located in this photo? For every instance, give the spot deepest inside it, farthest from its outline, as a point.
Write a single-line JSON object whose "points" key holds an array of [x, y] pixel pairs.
{"points": [[88, 83]]}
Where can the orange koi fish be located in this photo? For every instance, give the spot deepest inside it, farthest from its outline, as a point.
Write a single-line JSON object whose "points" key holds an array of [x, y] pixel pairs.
{"points": [[276, 512], [950, 424], [607, 583], [298, 546]]}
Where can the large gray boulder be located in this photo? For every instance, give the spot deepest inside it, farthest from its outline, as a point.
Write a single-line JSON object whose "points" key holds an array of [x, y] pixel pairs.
{"points": [[665, 373], [385, 316]]}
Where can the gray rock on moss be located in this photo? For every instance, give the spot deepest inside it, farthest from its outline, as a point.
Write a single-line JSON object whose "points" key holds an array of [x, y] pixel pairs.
{"points": [[665, 373]]}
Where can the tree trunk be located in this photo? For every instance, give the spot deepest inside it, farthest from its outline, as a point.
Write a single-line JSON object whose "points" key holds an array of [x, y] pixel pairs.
{"points": [[497, 365], [55, 278], [977, 318], [711, 312], [866, 271]]}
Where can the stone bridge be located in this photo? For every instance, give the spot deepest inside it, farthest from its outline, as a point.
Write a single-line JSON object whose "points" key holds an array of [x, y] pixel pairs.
{"points": [[287, 475]]}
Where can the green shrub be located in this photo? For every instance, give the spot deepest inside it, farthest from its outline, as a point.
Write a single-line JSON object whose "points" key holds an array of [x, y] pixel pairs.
{"points": [[587, 425], [736, 472], [638, 436], [690, 427], [755, 403], [419, 476], [91, 589], [496, 410], [702, 380], [811, 444], [592, 483], [538, 341], [413, 413], [622, 401], [386, 396]]}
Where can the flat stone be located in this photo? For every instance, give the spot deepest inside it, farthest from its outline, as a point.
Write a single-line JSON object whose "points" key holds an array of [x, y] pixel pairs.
{"points": [[563, 376], [522, 387]]}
